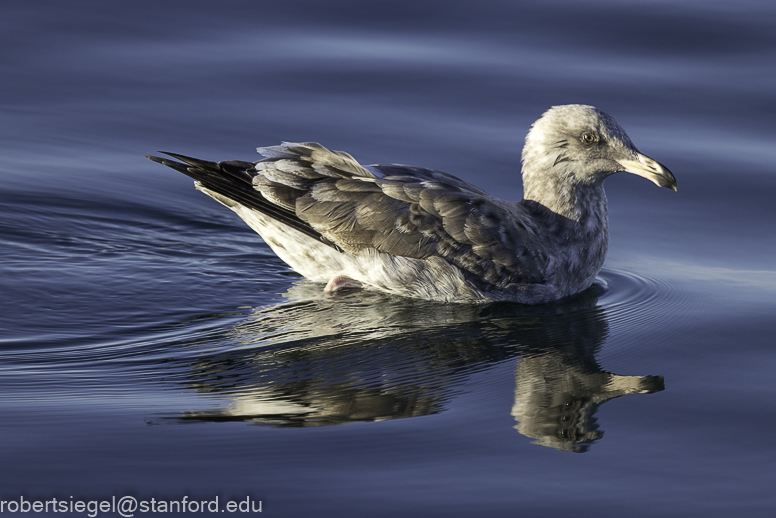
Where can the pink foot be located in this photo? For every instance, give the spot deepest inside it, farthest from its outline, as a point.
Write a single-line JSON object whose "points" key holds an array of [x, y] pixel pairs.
{"points": [[340, 283]]}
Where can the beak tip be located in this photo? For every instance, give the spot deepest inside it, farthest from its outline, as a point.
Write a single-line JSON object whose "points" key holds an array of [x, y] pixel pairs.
{"points": [[668, 181], [671, 183], [651, 170]]}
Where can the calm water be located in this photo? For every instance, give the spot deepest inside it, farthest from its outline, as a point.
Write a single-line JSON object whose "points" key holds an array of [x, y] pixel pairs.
{"points": [[151, 345]]}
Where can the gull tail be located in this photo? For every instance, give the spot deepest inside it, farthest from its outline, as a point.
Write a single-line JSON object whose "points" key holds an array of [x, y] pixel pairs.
{"points": [[233, 181]]}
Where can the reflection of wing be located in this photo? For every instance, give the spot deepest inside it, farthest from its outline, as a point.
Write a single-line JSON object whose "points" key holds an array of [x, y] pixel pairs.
{"points": [[364, 356], [399, 210]]}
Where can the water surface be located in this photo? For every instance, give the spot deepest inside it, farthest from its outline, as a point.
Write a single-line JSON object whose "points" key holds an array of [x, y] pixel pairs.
{"points": [[152, 345]]}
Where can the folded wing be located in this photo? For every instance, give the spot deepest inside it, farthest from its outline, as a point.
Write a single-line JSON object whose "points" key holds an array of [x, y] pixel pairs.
{"points": [[399, 210]]}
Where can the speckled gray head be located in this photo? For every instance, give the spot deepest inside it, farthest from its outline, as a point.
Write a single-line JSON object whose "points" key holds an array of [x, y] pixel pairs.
{"points": [[577, 145]]}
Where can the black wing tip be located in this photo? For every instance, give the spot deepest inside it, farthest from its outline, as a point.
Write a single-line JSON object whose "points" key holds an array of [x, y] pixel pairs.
{"points": [[194, 162], [187, 160], [196, 172], [230, 179], [167, 161]]}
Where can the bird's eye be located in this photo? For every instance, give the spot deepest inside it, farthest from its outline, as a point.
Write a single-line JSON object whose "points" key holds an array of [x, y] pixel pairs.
{"points": [[590, 138]]}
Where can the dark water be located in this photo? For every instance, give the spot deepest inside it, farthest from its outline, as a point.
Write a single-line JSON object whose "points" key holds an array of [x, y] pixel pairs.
{"points": [[151, 345]]}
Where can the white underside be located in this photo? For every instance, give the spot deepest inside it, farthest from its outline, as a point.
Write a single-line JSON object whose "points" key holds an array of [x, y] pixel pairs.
{"points": [[430, 279]]}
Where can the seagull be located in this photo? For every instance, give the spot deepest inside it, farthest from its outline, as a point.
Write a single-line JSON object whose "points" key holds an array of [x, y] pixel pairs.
{"points": [[426, 234]]}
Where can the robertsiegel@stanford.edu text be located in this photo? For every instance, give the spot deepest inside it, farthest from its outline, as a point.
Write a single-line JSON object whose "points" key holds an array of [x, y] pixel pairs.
{"points": [[127, 506]]}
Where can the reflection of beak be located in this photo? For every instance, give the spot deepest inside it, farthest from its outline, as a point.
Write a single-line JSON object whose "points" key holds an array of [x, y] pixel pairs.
{"points": [[649, 169]]}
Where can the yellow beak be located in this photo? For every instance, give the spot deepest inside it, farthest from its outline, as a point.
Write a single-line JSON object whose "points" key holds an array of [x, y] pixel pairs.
{"points": [[650, 169]]}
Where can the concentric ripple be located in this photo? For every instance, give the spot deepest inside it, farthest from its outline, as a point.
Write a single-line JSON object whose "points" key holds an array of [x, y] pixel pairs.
{"points": [[650, 307]]}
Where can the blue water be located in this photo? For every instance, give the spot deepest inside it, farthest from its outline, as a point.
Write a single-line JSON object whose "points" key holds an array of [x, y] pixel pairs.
{"points": [[152, 345]]}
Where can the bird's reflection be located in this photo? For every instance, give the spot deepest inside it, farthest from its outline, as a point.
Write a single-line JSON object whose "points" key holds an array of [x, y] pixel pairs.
{"points": [[557, 395], [368, 357]]}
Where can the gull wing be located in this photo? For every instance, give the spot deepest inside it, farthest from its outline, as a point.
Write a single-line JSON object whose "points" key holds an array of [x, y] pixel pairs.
{"points": [[399, 210]]}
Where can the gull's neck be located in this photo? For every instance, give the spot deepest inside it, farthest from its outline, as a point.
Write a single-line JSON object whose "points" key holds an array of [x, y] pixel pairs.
{"points": [[582, 204], [570, 219]]}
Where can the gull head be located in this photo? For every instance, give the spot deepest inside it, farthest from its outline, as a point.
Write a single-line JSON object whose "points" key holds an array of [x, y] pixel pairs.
{"points": [[578, 145]]}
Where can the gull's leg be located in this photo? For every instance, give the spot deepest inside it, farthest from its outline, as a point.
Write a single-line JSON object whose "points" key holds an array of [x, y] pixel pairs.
{"points": [[339, 283]]}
